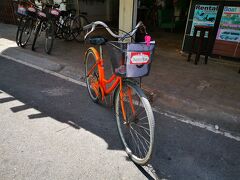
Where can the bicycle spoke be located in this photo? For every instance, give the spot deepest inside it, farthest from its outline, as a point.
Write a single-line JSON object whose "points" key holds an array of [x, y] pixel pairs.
{"points": [[137, 145], [144, 128], [141, 136], [145, 150], [144, 123], [132, 139], [135, 132], [143, 118]]}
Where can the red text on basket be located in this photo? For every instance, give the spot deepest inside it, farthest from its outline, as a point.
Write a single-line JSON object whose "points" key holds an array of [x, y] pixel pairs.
{"points": [[139, 57]]}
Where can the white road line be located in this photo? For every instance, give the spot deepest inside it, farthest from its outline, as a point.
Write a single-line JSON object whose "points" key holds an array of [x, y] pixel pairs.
{"points": [[208, 127], [172, 115], [45, 70]]}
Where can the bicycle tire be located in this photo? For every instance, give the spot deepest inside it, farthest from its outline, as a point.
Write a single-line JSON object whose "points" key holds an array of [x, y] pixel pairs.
{"points": [[67, 29], [49, 38], [79, 22], [94, 92], [19, 29], [128, 134], [38, 27], [26, 30]]}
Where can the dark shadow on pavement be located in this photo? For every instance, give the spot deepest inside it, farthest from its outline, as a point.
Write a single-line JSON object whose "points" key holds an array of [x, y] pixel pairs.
{"points": [[37, 116], [20, 108], [8, 99]]}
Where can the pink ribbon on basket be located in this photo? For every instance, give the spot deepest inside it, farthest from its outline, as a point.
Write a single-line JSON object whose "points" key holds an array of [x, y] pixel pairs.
{"points": [[147, 40]]}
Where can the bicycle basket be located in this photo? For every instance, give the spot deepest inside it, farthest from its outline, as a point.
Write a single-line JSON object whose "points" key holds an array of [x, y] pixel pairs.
{"points": [[31, 11], [131, 59], [42, 15], [21, 11], [54, 12]]}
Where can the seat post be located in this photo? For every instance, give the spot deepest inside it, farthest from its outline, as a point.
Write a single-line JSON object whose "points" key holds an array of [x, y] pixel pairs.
{"points": [[101, 51]]}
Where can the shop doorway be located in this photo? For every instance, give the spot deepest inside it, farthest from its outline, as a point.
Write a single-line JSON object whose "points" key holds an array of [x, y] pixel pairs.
{"points": [[165, 20]]}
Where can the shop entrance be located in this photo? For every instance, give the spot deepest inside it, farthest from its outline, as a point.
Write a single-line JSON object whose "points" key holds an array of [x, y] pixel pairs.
{"points": [[165, 19]]}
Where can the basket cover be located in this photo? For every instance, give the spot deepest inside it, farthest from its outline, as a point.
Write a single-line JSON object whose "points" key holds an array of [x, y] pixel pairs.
{"points": [[131, 59], [139, 58]]}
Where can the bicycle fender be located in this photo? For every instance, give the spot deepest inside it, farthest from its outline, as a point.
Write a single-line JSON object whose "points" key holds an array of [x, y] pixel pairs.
{"points": [[95, 52]]}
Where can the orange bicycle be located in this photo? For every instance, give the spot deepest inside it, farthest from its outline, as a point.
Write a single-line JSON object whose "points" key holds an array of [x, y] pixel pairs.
{"points": [[134, 115]]}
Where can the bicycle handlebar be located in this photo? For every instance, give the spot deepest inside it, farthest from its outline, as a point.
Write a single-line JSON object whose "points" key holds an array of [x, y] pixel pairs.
{"points": [[87, 26], [123, 36]]}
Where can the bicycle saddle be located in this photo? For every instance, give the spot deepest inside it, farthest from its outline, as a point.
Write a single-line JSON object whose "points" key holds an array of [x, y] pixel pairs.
{"points": [[56, 6], [97, 40]]}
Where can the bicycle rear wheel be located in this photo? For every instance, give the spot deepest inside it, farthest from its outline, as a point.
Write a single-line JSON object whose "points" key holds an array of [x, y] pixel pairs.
{"points": [[92, 76], [135, 122], [37, 33], [79, 22], [67, 29], [49, 38]]}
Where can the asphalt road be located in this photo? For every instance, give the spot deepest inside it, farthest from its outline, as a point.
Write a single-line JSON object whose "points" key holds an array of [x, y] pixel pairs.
{"points": [[50, 129]]}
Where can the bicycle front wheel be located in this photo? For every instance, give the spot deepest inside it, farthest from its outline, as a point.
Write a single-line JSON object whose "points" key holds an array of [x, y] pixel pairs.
{"points": [[135, 122], [26, 32], [19, 29], [49, 38], [37, 32]]}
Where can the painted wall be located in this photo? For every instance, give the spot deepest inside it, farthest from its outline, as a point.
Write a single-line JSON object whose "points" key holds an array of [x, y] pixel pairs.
{"points": [[127, 14], [97, 10]]}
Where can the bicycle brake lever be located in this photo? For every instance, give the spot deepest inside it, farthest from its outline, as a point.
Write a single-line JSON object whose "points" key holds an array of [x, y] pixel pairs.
{"points": [[93, 28]]}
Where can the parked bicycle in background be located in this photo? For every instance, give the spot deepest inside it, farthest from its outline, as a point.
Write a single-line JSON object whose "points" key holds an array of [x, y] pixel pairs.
{"points": [[50, 20], [54, 23], [26, 12]]}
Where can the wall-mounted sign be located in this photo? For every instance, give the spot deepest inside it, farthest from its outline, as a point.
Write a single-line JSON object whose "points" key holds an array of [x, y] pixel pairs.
{"points": [[204, 15], [229, 28], [228, 36]]}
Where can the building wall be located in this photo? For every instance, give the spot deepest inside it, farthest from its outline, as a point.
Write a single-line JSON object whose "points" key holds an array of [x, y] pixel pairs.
{"points": [[95, 9], [7, 14]]}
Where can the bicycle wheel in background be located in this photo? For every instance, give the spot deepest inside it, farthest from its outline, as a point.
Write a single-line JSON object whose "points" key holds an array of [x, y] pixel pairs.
{"points": [[137, 128], [49, 38], [37, 33], [79, 22], [26, 32], [67, 29], [92, 76]]}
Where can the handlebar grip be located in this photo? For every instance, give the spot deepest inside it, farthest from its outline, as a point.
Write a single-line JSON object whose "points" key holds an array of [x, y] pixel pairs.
{"points": [[87, 26]]}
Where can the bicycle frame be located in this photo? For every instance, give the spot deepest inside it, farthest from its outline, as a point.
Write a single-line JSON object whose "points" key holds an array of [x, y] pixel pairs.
{"points": [[102, 80], [116, 80]]}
